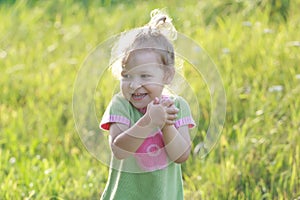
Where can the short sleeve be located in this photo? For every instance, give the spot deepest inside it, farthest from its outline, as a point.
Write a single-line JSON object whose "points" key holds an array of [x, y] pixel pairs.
{"points": [[184, 115], [116, 112]]}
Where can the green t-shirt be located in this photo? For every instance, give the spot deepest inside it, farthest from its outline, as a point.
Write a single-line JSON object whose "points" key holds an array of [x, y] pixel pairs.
{"points": [[148, 174]]}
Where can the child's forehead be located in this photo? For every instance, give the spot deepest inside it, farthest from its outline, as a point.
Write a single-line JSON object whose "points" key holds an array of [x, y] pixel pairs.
{"points": [[142, 68], [143, 58]]}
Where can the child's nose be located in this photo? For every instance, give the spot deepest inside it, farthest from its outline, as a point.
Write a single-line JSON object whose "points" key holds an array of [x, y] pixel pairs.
{"points": [[135, 85]]}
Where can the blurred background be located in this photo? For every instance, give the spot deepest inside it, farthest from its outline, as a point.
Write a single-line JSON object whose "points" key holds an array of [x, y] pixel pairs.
{"points": [[254, 43]]}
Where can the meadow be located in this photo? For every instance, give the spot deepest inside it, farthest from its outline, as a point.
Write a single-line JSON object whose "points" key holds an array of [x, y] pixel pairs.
{"points": [[254, 44]]}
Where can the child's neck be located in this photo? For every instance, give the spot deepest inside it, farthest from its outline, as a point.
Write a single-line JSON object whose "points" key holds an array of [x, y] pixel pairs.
{"points": [[142, 110]]}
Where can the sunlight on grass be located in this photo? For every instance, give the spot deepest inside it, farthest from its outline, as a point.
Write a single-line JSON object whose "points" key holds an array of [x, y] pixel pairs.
{"points": [[43, 44]]}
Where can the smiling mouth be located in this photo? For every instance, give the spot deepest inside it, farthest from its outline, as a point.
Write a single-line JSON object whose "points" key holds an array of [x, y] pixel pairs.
{"points": [[138, 96]]}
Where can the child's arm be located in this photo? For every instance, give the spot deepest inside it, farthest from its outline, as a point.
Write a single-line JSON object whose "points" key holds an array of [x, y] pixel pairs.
{"points": [[177, 142], [125, 141]]}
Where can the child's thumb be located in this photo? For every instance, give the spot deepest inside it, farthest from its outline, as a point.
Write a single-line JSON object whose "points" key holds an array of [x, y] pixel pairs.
{"points": [[156, 100]]}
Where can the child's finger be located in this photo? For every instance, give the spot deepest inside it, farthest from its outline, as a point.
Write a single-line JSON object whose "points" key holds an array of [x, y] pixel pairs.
{"points": [[173, 119], [156, 100], [172, 110], [167, 102], [170, 122]]}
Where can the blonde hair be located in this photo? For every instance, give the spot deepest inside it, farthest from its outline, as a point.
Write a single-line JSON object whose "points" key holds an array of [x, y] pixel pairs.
{"points": [[155, 36]]}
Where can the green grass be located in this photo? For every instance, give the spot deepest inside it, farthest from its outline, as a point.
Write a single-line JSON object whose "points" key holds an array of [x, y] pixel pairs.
{"points": [[43, 44]]}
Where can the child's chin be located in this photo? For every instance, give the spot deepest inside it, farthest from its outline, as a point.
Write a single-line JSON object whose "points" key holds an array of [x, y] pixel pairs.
{"points": [[139, 105]]}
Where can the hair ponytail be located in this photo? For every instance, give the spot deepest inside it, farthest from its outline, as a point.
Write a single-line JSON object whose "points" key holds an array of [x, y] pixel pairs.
{"points": [[161, 23], [156, 35]]}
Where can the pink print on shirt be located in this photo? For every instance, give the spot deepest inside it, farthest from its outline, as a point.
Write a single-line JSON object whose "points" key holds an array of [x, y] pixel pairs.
{"points": [[151, 155]]}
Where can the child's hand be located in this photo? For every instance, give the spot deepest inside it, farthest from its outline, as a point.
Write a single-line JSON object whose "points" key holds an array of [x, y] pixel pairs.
{"points": [[162, 112], [157, 113], [171, 111]]}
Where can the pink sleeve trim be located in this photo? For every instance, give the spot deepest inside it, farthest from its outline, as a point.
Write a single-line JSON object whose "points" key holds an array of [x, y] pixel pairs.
{"points": [[185, 121], [105, 124]]}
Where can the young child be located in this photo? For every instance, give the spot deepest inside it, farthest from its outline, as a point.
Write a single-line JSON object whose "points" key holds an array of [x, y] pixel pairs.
{"points": [[148, 130]]}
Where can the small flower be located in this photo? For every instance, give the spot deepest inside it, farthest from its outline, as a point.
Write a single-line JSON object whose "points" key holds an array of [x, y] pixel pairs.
{"points": [[254, 140], [225, 50], [259, 112], [268, 31], [247, 24], [48, 171], [12, 160], [276, 88], [51, 48], [89, 173], [298, 76], [72, 61], [3, 54], [293, 44]]}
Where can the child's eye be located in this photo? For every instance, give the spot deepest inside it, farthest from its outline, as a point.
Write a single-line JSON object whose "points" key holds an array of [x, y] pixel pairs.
{"points": [[125, 75], [145, 75]]}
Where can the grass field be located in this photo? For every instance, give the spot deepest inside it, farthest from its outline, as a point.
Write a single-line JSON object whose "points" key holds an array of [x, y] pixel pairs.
{"points": [[255, 47]]}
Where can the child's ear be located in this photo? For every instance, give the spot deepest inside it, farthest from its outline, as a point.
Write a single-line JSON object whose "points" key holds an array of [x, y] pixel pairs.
{"points": [[169, 74]]}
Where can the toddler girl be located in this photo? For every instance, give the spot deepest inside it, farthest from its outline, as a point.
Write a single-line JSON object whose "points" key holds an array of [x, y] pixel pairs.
{"points": [[148, 130]]}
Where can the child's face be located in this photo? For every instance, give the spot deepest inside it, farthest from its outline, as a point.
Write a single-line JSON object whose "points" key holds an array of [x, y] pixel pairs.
{"points": [[143, 78]]}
